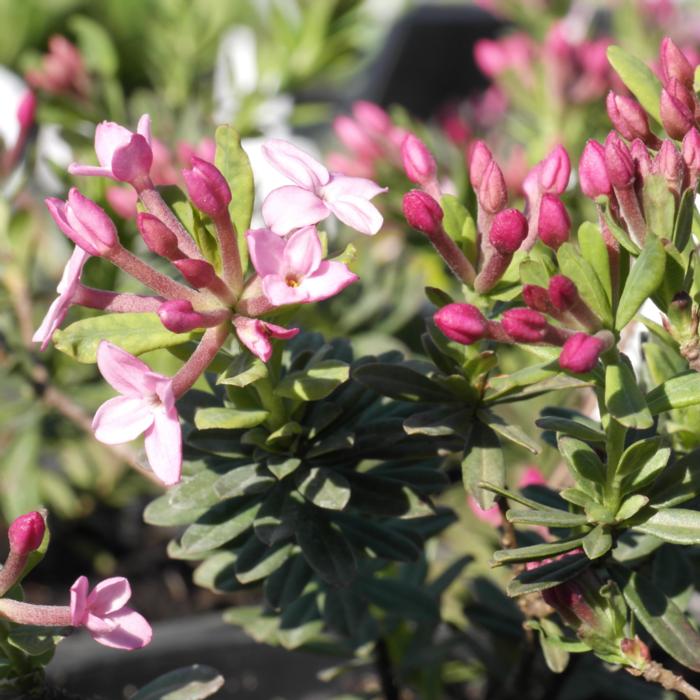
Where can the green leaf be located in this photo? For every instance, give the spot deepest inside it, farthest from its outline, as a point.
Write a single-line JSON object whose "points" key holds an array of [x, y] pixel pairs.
{"points": [[315, 382], [244, 369], [400, 382], [684, 220], [644, 279], [234, 164], [638, 454], [443, 420], [640, 80], [660, 617], [324, 488], [679, 392], [676, 525], [549, 518], [578, 427], [191, 683], [548, 575], [96, 46], [228, 418], [35, 640], [379, 538], [161, 513], [595, 252], [325, 548], [658, 205], [255, 560], [583, 461], [597, 542], [580, 271], [287, 583], [623, 398], [300, 622], [282, 466], [534, 552], [483, 461], [399, 597], [631, 506], [509, 431], [244, 480], [134, 332]]}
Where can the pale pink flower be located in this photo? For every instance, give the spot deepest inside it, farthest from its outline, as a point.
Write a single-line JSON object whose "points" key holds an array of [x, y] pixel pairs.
{"points": [[292, 269], [67, 287], [123, 155], [316, 193], [105, 615], [255, 335], [146, 405]]}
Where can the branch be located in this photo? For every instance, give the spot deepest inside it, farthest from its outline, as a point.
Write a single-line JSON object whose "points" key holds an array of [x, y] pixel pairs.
{"points": [[654, 672]]}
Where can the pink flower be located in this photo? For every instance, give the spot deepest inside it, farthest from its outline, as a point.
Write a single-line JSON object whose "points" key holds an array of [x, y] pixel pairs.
{"points": [[292, 269], [146, 405], [26, 533], [67, 287], [316, 193], [84, 222], [123, 155], [255, 335], [105, 615]]}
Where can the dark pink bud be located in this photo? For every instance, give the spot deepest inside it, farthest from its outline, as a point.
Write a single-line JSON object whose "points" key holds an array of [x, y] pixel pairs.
{"points": [[418, 161], [132, 163], [562, 292], [555, 171], [524, 325], [178, 316], [157, 236], [479, 160], [580, 353], [690, 150], [26, 533], [207, 188], [618, 162], [669, 163], [422, 212], [628, 117], [508, 231], [372, 117], [493, 194], [462, 323], [592, 171], [676, 117], [554, 224], [536, 297], [199, 273], [641, 158], [26, 110], [674, 64], [681, 93]]}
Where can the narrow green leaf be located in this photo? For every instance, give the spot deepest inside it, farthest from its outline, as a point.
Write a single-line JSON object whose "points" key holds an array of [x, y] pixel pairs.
{"points": [[678, 392], [482, 461], [324, 488], [548, 575], [244, 369], [244, 480], [509, 431], [400, 382], [315, 382], [684, 220], [594, 250], [631, 506], [228, 418], [583, 429], [400, 597], [192, 683], [676, 525], [597, 542], [534, 552], [582, 460], [658, 205], [255, 560], [549, 518], [640, 80], [623, 397]]}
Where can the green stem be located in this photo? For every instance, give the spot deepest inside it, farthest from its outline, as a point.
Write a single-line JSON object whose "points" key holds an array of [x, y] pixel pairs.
{"points": [[614, 447], [271, 403]]}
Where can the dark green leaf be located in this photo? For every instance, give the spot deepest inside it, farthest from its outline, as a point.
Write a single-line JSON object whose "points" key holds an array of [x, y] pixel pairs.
{"points": [[584, 463], [324, 488], [583, 428], [483, 461], [534, 552], [509, 431], [399, 597], [192, 683], [400, 382], [244, 480], [684, 220], [548, 575], [549, 518]]}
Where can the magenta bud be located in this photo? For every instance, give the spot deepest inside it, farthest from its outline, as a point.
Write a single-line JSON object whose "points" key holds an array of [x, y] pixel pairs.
{"points": [[592, 171], [562, 292], [26, 110], [372, 117], [677, 118], [628, 117], [157, 236], [669, 163], [479, 160], [640, 156], [207, 188], [554, 224], [580, 353], [199, 273], [618, 162], [462, 323], [422, 212], [132, 163], [690, 150], [178, 316], [674, 64], [524, 325], [554, 171], [418, 161], [493, 194], [508, 231], [26, 533], [536, 297]]}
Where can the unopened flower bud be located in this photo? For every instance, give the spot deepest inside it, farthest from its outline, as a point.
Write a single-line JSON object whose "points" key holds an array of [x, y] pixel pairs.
{"points": [[207, 188], [493, 194], [158, 237], [178, 316], [524, 325], [354, 138], [26, 111], [674, 64], [641, 158], [669, 163], [554, 224], [554, 171], [508, 231], [676, 117], [618, 162], [536, 298], [690, 150], [418, 161], [462, 323], [580, 353], [592, 171], [199, 273], [372, 117], [628, 117], [562, 292], [26, 533], [636, 651], [422, 212], [479, 160]]}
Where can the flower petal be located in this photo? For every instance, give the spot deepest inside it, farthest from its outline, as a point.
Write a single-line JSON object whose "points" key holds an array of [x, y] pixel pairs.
{"points": [[108, 137], [266, 250], [125, 629], [78, 601], [296, 164], [121, 419], [90, 170], [109, 595], [330, 278], [250, 332], [163, 443], [302, 253], [357, 213], [144, 128], [279, 293], [126, 373], [290, 207], [343, 185]]}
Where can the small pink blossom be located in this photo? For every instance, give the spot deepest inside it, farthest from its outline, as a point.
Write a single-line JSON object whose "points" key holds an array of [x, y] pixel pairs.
{"points": [[316, 193], [123, 155], [67, 287], [105, 615], [292, 268], [255, 335], [146, 405]]}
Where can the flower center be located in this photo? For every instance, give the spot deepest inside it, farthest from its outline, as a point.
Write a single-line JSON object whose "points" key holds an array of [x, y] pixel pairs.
{"points": [[292, 281]]}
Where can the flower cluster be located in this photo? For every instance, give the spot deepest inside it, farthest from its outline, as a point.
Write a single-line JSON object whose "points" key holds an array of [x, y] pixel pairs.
{"points": [[219, 297]]}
